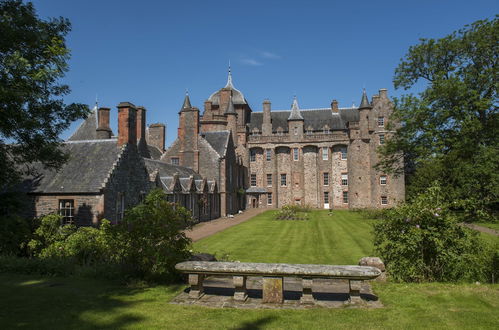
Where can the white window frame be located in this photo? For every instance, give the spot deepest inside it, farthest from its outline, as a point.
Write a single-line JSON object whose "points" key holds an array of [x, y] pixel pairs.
{"points": [[253, 179], [325, 153], [67, 212], [345, 197], [344, 153], [269, 182], [383, 179], [344, 179], [175, 161], [285, 177], [325, 178], [269, 198], [381, 121], [296, 154], [268, 155], [384, 200]]}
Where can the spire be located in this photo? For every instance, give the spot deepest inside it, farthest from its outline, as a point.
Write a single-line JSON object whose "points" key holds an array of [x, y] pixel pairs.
{"points": [[187, 102], [230, 107], [364, 104], [295, 111], [229, 79]]}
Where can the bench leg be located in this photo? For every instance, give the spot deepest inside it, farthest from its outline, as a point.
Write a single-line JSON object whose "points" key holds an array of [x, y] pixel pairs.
{"points": [[196, 283], [240, 288], [306, 297], [272, 290], [355, 286]]}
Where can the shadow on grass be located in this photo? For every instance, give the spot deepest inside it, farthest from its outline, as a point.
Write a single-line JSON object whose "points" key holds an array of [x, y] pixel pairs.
{"points": [[257, 324], [65, 303]]}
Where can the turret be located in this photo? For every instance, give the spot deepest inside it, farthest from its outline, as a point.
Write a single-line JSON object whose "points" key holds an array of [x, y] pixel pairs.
{"points": [[364, 112], [188, 131], [295, 121], [231, 115]]}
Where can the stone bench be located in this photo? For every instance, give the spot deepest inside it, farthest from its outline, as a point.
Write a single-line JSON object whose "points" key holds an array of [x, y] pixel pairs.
{"points": [[273, 277]]}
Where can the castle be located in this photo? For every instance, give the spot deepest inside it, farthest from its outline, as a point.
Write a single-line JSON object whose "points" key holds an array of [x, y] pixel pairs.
{"points": [[225, 160]]}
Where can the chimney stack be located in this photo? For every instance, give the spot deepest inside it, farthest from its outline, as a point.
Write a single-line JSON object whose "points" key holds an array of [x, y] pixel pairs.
{"points": [[156, 136], [141, 123], [103, 129], [383, 93], [267, 119], [127, 123], [334, 106]]}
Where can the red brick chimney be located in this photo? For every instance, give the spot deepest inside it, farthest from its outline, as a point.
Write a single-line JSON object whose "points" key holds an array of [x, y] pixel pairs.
{"points": [[127, 123], [103, 129], [141, 123]]}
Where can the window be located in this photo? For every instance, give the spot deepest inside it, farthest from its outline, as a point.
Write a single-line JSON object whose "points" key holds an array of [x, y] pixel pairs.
{"points": [[268, 154], [175, 161], [382, 139], [325, 178], [269, 198], [382, 179], [252, 155], [295, 130], [296, 153], [344, 179], [381, 121], [343, 153], [120, 206], [345, 197], [269, 180], [326, 197], [384, 200], [253, 180], [66, 210], [325, 153], [326, 130], [283, 180]]}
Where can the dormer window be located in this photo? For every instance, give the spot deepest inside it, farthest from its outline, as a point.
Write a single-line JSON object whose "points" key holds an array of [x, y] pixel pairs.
{"points": [[309, 130], [326, 129], [279, 131]]}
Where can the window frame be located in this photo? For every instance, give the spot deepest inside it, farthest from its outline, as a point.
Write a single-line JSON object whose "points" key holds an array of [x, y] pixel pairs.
{"points": [[296, 154], [344, 179], [252, 155], [343, 153], [285, 177], [325, 196], [381, 121], [345, 197], [68, 218], [175, 161], [269, 176], [384, 200], [382, 139], [253, 180], [325, 153], [268, 155], [325, 179], [383, 182], [269, 198]]}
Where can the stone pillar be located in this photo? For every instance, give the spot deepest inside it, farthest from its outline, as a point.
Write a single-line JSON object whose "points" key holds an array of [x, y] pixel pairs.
{"points": [[196, 283], [240, 293], [355, 286], [307, 297], [272, 290]]}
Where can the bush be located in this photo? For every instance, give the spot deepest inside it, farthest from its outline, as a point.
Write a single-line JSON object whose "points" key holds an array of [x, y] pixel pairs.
{"points": [[15, 233], [292, 212], [423, 241]]}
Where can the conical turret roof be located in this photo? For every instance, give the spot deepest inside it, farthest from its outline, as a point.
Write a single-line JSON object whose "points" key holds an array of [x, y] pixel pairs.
{"points": [[295, 111], [187, 103], [364, 103]]}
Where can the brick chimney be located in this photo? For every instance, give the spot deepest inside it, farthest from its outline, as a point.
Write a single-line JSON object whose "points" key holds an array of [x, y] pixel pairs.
{"points": [[156, 136], [141, 123], [103, 129], [127, 123], [334, 106]]}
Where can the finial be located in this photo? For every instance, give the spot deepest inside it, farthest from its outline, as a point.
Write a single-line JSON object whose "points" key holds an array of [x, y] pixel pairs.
{"points": [[229, 78], [186, 92]]}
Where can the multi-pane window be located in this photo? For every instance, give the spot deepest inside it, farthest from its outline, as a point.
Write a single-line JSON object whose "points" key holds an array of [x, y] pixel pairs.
{"points": [[343, 153], [344, 179], [384, 200], [269, 180], [120, 206], [326, 197], [269, 198], [175, 161], [382, 179], [345, 197], [325, 153], [283, 180], [268, 155], [252, 155], [325, 177], [381, 121], [382, 139], [253, 180], [296, 153], [66, 210]]}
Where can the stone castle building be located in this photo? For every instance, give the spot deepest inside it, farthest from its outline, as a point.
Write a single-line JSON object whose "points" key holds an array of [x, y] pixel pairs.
{"points": [[224, 160], [320, 157]]}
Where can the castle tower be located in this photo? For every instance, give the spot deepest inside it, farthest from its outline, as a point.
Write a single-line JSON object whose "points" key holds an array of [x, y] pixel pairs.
{"points": [[188, 131], [231, 115]]}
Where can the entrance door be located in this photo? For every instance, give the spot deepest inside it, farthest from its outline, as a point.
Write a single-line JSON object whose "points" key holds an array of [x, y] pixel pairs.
{"points": [[254, 203]]}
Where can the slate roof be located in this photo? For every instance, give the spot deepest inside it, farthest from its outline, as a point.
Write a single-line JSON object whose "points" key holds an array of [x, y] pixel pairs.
{"points": [[88, 167], [166, 170], [87, 129], [315, 118], [237, 96], [154, 152], [256, 190], [218, 140]]}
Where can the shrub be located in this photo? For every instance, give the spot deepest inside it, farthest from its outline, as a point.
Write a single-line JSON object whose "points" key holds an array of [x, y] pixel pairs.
{"points": [[49, 232], [15, 233], [292, 212], [423, 241], [150, 239]]}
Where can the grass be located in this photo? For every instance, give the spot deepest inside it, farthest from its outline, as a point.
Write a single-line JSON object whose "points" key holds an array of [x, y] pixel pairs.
{"points": [[343, 238], [491, 225], [36, 302]]}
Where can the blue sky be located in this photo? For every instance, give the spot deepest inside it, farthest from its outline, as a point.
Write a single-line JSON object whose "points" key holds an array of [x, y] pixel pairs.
{"points": [[149, 52]]}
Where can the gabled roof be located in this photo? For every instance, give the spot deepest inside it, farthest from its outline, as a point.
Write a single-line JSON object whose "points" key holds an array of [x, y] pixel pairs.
{"points": [[218, 140], [166, 170], [86, 171], [315, 118]]}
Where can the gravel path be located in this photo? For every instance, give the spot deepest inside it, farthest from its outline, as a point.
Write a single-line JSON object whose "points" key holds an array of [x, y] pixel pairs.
{"points": [[482, 229], [208, 228]]}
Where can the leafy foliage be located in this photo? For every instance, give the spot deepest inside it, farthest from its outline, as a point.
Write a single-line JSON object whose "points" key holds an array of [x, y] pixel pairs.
{"points": [[33, 57], [293, 212], [448, 132], [423, 241]]}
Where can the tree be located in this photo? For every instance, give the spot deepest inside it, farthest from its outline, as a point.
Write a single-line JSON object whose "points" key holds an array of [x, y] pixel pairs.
{"points": [[448, 132], [33, 57]]}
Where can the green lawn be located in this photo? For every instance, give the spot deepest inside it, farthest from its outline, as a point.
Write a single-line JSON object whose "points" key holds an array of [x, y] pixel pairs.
{"points": [[343, 238], [35, 302]]}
